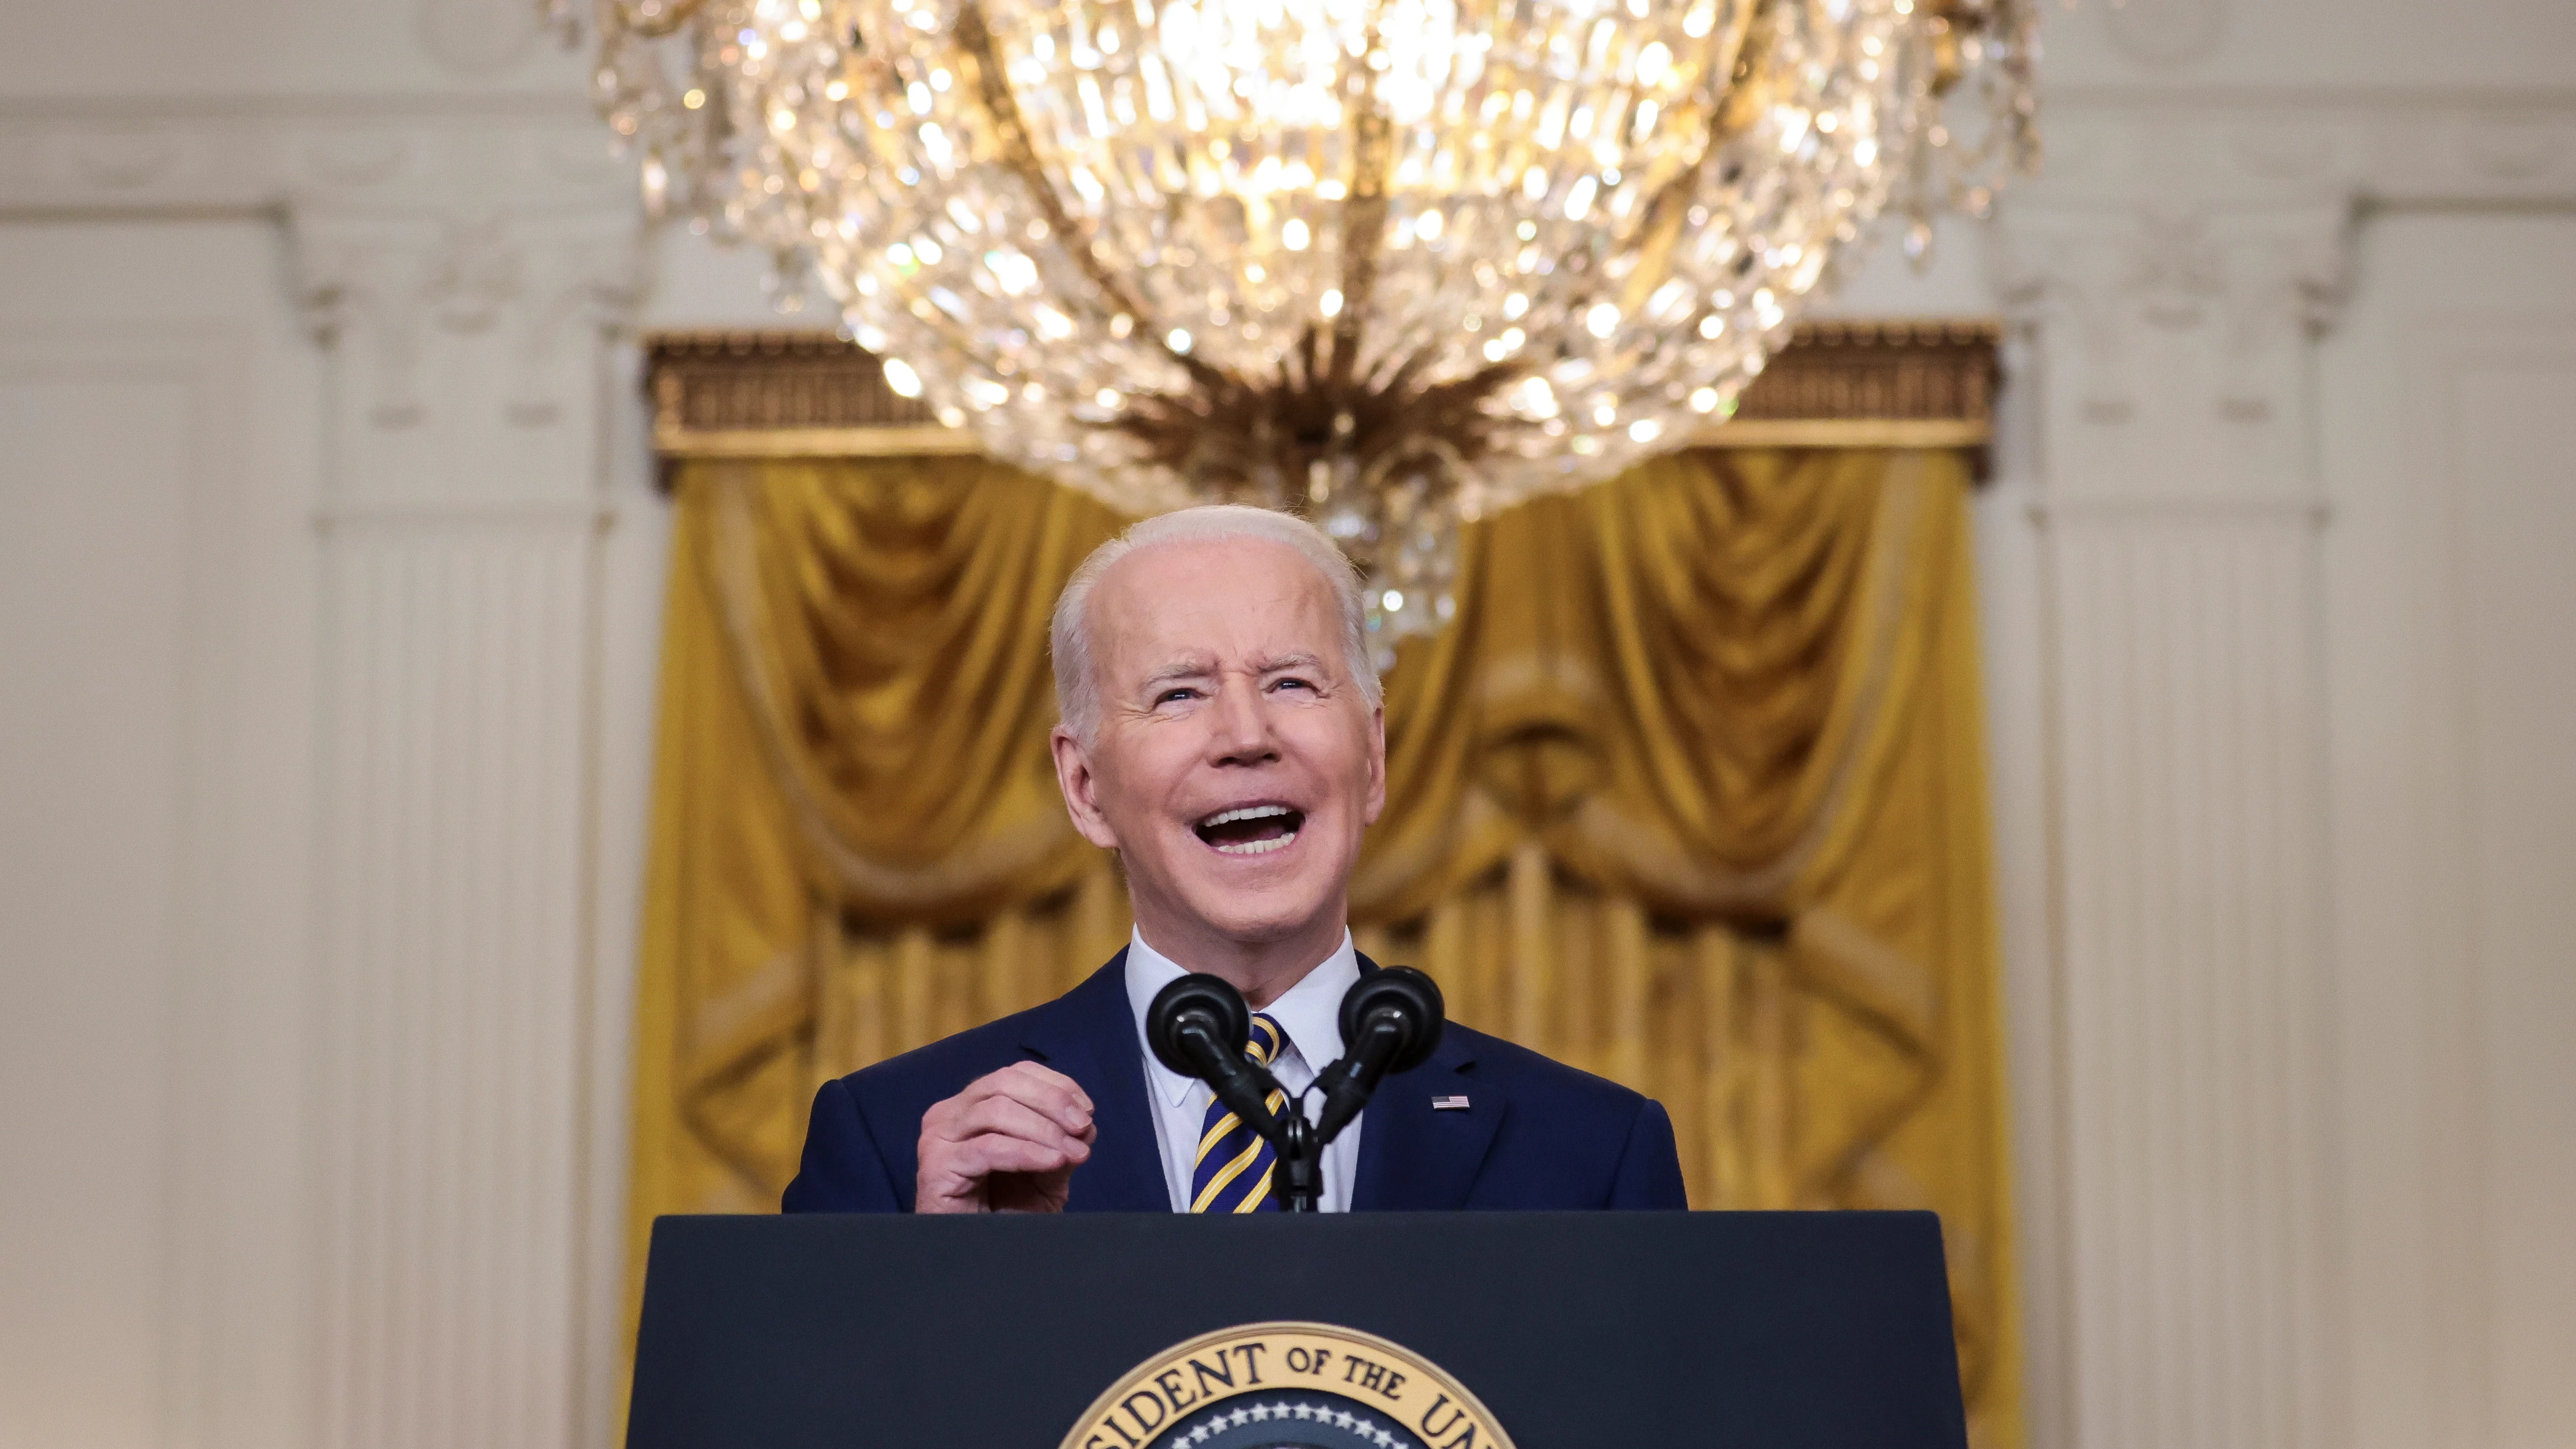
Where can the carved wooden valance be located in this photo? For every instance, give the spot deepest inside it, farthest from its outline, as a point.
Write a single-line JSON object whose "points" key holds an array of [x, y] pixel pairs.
{"points": [[1838, 384]]}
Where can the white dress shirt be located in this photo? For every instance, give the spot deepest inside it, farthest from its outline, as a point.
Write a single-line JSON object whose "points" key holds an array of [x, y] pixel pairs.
{"points": [[1309, 1012]]}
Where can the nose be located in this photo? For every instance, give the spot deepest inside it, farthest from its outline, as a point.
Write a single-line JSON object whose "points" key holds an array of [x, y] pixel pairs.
{"points": [[1238, 728]]}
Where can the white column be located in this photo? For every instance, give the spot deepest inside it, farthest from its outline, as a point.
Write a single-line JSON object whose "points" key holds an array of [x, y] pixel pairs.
{"points": [[460, 641], [2178, 515]]}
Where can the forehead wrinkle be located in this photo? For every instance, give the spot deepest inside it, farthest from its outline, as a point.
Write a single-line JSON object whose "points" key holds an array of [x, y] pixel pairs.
{"points": [[1141, 604]]}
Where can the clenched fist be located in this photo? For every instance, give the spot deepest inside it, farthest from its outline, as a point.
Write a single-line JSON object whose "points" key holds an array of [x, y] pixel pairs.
{"points": [[1007, 1144]]}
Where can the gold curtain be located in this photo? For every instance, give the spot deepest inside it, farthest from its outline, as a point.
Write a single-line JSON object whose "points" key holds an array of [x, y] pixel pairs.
{"points": [[1690, 795]]}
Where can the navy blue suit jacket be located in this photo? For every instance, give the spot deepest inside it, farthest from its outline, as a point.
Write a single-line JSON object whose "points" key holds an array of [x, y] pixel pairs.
{"points": [[1535, 1134]]}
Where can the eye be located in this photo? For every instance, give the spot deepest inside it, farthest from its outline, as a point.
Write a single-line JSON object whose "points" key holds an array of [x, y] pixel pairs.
{"points": [[1176, 692], [1294, 682]]}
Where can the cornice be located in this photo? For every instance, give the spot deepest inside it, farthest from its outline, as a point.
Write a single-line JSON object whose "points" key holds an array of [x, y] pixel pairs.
{"points": [[507, 152], [2388, 144], [2189, 145], [2108, 145], [2206, 97], [2086, 98], [418, 105]]}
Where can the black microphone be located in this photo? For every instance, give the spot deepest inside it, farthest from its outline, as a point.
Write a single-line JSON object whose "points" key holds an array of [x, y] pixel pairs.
{"points": [[1391, 1021], [1197, 1026]]}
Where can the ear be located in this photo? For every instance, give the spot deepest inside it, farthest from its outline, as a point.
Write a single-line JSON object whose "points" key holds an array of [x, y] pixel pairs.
{"points": [[1074, 776], [1376, 765]]}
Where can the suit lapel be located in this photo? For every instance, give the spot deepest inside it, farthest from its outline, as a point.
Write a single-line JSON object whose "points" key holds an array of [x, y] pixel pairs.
{"points": [[1089, 1034], [1414, 1157]]}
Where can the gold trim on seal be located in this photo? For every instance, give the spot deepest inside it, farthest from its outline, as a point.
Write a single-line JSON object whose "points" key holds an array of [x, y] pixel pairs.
{"points": [[1372, 1374]]}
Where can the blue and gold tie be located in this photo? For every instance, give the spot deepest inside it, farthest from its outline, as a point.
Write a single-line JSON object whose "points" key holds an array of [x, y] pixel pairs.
{"points": [[1235, 1162]]}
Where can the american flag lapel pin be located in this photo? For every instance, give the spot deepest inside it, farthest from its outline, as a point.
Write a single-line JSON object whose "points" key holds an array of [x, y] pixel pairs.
{"points": [[1450, 1104]]}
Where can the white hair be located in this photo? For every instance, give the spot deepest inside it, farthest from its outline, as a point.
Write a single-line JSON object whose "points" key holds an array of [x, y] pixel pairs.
{"points": [[1077, 681]]}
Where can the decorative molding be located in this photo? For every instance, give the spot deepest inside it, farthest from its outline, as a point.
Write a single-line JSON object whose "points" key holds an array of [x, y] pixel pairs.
{"points": [[1912, 384], [2181, 147], [708, 387], [1852, 371], [934, 440], [2173, 338], [496, 154], [411, 219], [389, 281], [2122, 145]]}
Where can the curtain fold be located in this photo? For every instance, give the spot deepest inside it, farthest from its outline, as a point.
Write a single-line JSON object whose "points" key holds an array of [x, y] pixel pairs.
{"points": [[1691, 794]]}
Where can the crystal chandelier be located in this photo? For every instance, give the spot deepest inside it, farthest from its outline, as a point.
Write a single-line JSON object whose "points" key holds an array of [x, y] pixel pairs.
{"points": [[1394, 263]]}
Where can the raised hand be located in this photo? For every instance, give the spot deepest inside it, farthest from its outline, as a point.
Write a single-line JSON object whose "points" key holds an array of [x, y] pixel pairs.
{"points": [[1007, 1144]]}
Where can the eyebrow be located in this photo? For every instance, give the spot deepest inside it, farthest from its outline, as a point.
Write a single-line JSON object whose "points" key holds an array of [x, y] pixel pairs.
{"points": [[1179, 669]]}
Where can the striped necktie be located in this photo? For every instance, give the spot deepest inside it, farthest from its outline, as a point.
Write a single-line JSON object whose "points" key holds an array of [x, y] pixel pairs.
{"points": [[1235, 1162]]}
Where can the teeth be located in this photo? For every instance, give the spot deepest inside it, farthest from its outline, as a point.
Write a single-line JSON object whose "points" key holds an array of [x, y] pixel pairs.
{"points": [[1248, 812], [1252, 812]]}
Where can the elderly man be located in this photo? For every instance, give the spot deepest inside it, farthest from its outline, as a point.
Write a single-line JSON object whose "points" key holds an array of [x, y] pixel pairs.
{"points": [[1222, 731]]}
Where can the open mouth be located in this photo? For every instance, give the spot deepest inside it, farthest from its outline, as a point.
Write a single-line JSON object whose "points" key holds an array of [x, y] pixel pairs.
{"points": [[1251, 829]]}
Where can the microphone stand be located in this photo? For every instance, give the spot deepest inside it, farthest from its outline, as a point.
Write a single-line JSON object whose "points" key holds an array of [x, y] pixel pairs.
{"points": [[1245, 1090], [1390, 1022]]}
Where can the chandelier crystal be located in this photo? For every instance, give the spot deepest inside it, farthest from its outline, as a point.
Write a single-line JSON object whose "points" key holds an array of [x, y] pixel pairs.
{"points": [[1392, 263]]}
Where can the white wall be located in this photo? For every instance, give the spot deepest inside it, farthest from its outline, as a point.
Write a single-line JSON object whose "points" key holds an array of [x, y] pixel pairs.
{"points": [[2450, 434], [329, 565], [155, 699]]}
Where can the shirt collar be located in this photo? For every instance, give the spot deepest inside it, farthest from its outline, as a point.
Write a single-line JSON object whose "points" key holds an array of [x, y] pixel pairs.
{"points": [[1310, 1011]]}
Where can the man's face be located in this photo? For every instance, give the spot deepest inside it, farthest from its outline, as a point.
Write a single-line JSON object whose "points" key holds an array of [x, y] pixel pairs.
{"points": [[1236, 761]]}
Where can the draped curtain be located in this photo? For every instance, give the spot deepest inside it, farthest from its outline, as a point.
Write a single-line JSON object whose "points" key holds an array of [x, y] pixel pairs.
{"points": [[1690, 795]]}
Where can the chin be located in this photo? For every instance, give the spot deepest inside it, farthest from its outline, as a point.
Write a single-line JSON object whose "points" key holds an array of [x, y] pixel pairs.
{"points": [[1273, 905], [1260, 919]]}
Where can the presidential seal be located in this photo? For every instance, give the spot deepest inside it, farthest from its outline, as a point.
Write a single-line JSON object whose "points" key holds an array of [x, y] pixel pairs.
{"points": [[1287, 1386]]}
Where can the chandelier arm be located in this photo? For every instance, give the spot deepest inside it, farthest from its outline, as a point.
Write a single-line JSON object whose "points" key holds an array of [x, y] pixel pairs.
{"points": [[1746, 96], [1943, 24], [1664, 212], [1020, 155], [1363, 213], [1429, 445], [1660, 226]]}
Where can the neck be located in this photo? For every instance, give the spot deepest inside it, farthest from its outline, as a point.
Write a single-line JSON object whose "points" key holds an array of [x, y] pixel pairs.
{"points": [[1262, 970]]}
